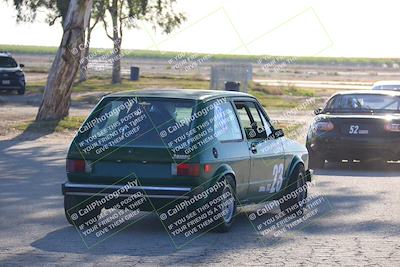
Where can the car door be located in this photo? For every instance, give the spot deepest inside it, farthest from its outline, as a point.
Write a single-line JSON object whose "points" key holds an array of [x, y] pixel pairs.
{"points": [[266, 152], [232, 146]]}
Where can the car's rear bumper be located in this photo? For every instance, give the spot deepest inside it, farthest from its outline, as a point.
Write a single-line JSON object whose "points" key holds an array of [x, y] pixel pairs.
{"points": [[102, 190], [10, 87], [356, 148], [13, 84], [158, 196]]}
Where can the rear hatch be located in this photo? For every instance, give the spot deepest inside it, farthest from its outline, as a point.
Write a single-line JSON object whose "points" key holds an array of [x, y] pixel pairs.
{"points": [[135, 138], [363, 126]]}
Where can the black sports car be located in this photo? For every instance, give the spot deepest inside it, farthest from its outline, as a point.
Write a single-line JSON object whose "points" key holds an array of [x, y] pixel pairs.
{"points": [[359, 125]]}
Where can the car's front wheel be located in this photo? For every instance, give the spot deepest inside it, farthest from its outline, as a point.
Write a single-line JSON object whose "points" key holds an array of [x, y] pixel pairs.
{"points": [[295, 193]]}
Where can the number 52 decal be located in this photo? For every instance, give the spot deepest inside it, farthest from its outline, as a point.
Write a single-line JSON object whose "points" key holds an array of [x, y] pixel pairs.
{"points": [[277, 173], [354, 129]]}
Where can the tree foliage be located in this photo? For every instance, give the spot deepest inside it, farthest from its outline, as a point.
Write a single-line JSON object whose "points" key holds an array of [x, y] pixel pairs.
{"points": [[119, 14], [160, 13], [27, 10]]}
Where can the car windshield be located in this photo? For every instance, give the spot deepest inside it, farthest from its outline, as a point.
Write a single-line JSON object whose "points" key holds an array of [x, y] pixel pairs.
{"points": [[363, 103], [7, 62], [132, 121], [387, 87]]}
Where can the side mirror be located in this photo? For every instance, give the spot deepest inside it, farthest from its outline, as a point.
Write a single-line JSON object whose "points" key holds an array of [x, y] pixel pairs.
{"points": [[278, 133], [318, 111], [21, 65]]}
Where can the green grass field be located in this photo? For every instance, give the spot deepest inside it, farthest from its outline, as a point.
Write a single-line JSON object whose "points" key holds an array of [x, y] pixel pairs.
{"points": [[102, 84], [72, 123], [22, 49], [67, 124]]}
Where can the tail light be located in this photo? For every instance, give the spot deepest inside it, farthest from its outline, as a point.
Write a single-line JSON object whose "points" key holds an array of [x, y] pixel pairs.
{"points": [[392, 127], [77, 166], [189, 169], [186, 169], [19, 73], [324, 126]]}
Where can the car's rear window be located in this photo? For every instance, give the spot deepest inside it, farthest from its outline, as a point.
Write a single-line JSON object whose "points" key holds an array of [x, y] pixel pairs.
{"points": [[136, 121], [364, 103], [7, 62]]}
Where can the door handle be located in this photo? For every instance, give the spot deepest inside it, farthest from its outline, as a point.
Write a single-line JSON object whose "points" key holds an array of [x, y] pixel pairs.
{"points": [[253, 148]]}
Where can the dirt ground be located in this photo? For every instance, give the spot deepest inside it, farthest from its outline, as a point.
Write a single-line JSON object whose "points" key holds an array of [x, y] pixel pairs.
{"points": [[359, 73]]}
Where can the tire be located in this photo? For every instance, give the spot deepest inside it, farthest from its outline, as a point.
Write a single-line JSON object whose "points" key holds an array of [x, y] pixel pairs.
{"points": [[74, 203], [21, 91], [224, 223], [316, 162], [298, 180]]}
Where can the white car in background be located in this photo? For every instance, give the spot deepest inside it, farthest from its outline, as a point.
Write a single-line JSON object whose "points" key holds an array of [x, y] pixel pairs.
{"points": [[387, 85]]}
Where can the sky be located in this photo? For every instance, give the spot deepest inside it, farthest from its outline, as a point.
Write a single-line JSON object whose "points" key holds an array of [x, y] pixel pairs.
{"points": [[352, 28]]}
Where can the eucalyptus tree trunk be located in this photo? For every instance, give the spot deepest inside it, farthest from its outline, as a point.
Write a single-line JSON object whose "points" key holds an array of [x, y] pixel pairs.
{"points": [[117, 40], [57, 94], [116, 60], [85, 60]]}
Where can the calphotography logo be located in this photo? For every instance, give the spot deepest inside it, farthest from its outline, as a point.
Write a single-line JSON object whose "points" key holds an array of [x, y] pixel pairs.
{"points": [[124, 203], [290, 212], [200, 213]]}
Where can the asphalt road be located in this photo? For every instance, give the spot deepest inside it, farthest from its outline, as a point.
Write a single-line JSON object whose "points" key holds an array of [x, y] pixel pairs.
{"points": [[360, 227]]}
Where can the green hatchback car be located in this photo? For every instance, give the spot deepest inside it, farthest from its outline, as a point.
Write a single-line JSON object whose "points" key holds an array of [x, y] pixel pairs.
{"points": [[181, 149]]}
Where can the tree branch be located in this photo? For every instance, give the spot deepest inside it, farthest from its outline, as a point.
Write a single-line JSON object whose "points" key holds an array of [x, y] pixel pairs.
{"points": [[106, 28], [51, 22], [95, 23]]}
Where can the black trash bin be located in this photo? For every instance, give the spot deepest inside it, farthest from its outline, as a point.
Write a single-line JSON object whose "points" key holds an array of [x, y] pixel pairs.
{"points": [[232, 86], [134, 73]]}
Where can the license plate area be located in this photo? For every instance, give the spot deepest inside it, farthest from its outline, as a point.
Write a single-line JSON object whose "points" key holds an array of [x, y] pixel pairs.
{"points": [[357, 129], [139, 169], [5, 82]]}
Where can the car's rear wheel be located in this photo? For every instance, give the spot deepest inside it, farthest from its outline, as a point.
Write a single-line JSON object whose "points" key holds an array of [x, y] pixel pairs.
{"points": [[295, 192], [21, 91], [72, 205], [316, 162], [228, 205]]}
